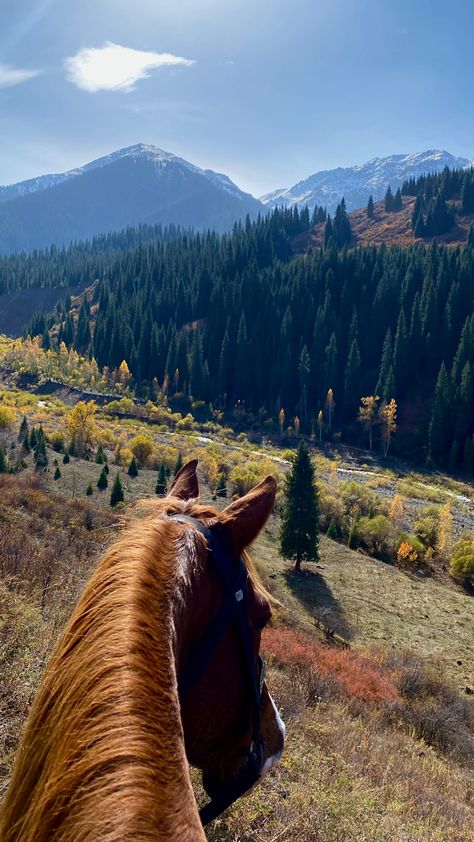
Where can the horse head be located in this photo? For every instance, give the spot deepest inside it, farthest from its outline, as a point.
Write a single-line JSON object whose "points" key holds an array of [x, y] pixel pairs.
{"points": [[219, 707]]}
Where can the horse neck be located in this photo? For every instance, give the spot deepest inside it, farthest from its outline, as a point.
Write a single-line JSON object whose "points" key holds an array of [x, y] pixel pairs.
{"points": [[102, 756]]}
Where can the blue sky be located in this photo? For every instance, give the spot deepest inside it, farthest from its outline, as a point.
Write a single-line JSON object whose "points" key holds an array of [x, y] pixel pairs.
{"points": [[267, 91]]}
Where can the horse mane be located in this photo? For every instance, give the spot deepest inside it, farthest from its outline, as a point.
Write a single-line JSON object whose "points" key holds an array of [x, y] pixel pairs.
{"points": [[88, 764]]}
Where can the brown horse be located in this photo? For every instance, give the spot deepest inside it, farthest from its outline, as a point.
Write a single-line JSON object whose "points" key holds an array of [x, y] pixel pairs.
{"points": [[103, 757]]}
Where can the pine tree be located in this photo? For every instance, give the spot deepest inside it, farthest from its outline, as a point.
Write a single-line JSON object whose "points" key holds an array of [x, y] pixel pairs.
{"points": [[23, 429], [300, 520], [419, 229], [66, 458], [370, 208], [57, 473], [179, 464], [102, 482], [100, 457], [440, 427], [26, 443], [388, 201], [133, 467], [3, 461], [160, 487], [397, 201], [221, 487], [117, 495], [89, 490], [40, 452]]}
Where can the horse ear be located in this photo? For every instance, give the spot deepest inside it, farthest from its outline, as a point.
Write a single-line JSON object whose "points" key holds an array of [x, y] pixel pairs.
{"points": [[185, 484], [242, 520]]}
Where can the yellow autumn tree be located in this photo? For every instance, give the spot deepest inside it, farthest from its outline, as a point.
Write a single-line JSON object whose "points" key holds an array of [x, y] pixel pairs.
{"points": [[445, 531], [320, 423], [330, 407], [388, 418], [368, 414], [396, 510], [142, 448], [123, 375], [81, 426]]}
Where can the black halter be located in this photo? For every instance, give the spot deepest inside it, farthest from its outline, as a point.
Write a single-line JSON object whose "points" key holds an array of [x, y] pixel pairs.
{"points": [[234, 609]]}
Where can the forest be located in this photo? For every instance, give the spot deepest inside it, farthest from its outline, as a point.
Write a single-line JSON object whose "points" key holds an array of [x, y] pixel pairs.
{"points": [[242, 323]]}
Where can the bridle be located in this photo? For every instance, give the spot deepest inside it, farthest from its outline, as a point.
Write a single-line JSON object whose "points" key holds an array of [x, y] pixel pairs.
{"points": [[234, 610]]}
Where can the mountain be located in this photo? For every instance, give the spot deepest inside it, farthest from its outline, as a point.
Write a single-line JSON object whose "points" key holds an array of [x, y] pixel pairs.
{"points": [[139, 184], [357, 183]]}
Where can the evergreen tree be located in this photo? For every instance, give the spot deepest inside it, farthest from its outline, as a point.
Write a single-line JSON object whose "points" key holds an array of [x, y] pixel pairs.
{"points": [[40, 452], [100, 457], [439, 434], [57, 473], [23, 429], [66, 458], [133, 467], [419, 229], [3, 461], [300, 519], [26, 443], [179, 464], [102, 482], [397, 201], [160, 487], [370, 208], [117, 495], [388, 201], [221, 487], [89, 490]]}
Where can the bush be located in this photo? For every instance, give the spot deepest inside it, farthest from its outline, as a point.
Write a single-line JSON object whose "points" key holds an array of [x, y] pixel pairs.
{"points": [[427, 526], [462, 561], [142, 448], [357, 497], [326, 670], [56, 441], [376, 535]]}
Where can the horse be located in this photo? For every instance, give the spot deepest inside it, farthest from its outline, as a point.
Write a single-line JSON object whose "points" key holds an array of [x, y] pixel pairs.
{"points": [[158, 667]]}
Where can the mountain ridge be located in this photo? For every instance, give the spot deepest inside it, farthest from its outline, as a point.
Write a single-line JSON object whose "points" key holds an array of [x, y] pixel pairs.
{"points": [[137, 184], [357, 183]]}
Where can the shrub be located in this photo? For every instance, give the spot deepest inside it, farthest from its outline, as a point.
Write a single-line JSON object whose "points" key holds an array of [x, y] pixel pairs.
{"points": [[356, 496], [334, 671], [376, 535], [56, 441], [462, 561], [427, 526], [142, 448]]}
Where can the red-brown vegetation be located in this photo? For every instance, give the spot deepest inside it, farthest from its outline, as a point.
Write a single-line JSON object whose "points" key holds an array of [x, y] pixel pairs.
{"points": [[354, 676]]}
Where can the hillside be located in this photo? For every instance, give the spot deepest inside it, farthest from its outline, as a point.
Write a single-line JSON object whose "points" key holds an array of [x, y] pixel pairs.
{"points": [[388, 228], [357, 183], [140, 184], [382, 731]]}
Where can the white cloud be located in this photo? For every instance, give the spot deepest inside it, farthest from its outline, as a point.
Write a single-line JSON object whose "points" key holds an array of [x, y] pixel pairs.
{"points": [[116, 68], [10, 76]]}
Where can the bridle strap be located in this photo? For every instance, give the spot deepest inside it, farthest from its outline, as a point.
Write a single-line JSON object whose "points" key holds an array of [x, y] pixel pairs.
{"points": [[234, 608]]}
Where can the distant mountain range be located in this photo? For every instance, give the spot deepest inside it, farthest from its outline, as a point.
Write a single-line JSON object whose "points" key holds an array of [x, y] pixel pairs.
{"points": [[140, 184], [357, 183], [144, 184]]}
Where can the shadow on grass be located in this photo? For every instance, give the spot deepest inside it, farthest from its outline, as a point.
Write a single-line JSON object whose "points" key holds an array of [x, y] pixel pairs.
{"points": [[317, 597]]}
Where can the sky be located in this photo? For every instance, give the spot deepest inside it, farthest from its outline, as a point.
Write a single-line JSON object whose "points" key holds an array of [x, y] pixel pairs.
{"points": [[266, 91]]}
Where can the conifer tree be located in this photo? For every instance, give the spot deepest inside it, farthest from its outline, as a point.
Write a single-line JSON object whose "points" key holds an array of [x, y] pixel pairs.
{"points": [[388, 201], [100, 457], [178, 464], [89, 490], [370, 208], [221, 487], [40, 452], [160, 487], [439, 433], [3, 461], [133, 467], [26, 443], [397, 201], [117, 495], [300, 519], [66, 458], [23, 429], [57, 473], [102, 482]]}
